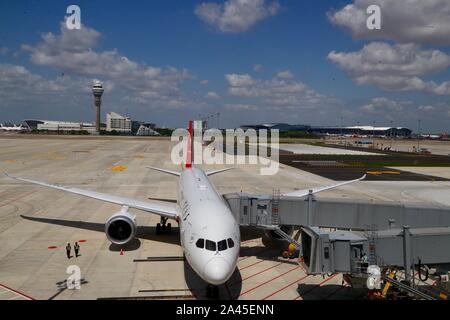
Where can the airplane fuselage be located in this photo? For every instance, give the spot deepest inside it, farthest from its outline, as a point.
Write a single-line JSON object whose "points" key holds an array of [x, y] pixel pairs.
{"points": [[209, 232]]}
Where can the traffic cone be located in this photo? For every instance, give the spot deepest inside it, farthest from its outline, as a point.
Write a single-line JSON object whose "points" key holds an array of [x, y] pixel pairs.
{"points": [[121, 252]]}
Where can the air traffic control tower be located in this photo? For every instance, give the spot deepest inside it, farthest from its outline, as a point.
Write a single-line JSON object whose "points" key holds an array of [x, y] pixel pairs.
{"points": [[97, 90]]}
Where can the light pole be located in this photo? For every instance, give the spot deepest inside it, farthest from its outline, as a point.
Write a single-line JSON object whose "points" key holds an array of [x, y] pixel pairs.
{"points": [[391, 134], [373, 134], [418, 135], [97, 90]]}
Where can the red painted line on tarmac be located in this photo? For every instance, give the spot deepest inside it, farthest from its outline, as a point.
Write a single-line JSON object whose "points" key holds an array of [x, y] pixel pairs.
{"points": [[253, 264], [307, 291], [52, 247], [285, 287], [82, 241], [260, 285], [16, 292], [17, 198], [255, 274]]}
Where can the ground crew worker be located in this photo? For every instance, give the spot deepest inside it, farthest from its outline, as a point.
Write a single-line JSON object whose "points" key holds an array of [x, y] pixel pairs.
{"points": [[76, 247], [68, 250]]}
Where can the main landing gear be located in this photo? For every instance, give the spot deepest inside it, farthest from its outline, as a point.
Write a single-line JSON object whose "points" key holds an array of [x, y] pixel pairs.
{"points": [[212, 292], [163, 227]]}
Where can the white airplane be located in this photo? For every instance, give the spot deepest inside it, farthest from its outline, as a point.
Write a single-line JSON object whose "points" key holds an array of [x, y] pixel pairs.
{"points": [[12, 129], [209, 233]]}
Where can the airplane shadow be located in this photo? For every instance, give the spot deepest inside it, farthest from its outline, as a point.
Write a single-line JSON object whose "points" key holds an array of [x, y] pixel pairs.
{"points": [[198, 286], [329, 292], [250, 233], [143, 232]]}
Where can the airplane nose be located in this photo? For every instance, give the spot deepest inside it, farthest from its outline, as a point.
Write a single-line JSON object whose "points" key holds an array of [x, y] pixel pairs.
{"points": [[217, 271]]}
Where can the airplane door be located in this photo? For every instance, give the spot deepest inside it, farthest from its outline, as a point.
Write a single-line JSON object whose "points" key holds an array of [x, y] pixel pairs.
{"points": [[262, 212], [244, 212]]}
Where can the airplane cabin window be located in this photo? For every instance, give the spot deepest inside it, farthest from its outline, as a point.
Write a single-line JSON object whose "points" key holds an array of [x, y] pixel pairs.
{"points": [[200, 243], [230, 243], [222, 245], [210, 245]]}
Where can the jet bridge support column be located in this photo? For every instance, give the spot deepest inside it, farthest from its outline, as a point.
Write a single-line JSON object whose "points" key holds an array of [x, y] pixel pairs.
{"points": [[407, 253], [309, 217]]}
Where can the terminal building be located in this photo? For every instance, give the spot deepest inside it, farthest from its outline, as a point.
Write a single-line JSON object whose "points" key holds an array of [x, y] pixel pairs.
{"points": [[282, 127], [118, 123], [57, 126], [347, 130], [363, 131]]}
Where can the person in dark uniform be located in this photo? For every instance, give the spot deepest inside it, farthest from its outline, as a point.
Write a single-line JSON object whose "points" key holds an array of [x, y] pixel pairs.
{"points": [[76, 247], [68, 250]]}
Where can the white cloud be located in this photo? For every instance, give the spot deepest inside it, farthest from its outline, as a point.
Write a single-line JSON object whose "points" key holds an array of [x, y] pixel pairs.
{"points": [[258, 68], [236, 15], [73, 52], [382, 104], [427, 108], [204, 82], [285, 75], [240, 107], [276, 92], [415, 21], [394, 67], [212, 95]]}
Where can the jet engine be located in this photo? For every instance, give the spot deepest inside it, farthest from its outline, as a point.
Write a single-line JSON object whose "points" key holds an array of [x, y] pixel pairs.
{"points": [[121, 227]]}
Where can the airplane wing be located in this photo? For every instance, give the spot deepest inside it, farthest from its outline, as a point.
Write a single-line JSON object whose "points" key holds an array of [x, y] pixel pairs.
{"points": [[303, 193], [165, 209], [213, 172], [173, 173]]}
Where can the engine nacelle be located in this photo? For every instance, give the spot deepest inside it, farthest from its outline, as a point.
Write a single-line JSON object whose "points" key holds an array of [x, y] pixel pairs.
{"points": [[121, 227]]}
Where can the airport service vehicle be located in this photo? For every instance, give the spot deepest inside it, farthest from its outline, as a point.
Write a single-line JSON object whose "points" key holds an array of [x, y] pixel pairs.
{"points": [[209, 232]]}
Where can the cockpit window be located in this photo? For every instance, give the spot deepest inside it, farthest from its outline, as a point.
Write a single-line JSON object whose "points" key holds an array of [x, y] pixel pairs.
{"points": [[222, 245], [200, 243], [230, 243], [210, 245]]}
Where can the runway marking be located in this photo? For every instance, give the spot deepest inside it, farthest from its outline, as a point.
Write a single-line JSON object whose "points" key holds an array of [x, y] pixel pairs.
{"points": [[266, 282], [16, 292], [255, 274], [285, 287], [119, 168], [318, 285]]}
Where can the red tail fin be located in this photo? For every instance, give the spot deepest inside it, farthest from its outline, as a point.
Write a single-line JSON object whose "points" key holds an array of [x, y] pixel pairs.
{"points": [[189, 147]]}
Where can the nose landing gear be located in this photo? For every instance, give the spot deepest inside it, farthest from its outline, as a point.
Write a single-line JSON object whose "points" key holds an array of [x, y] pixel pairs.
{"points": [[163, 227]]}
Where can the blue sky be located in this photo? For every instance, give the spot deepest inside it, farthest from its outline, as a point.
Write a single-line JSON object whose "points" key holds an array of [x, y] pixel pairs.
{"points": [[270, 63]]}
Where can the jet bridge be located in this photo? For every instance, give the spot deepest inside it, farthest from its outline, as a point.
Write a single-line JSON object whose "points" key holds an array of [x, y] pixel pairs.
{"points": [[266, 210], [346, 236]]}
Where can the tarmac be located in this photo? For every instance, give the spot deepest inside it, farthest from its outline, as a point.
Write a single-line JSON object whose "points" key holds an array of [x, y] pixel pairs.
{"points": [[33, 262]]}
